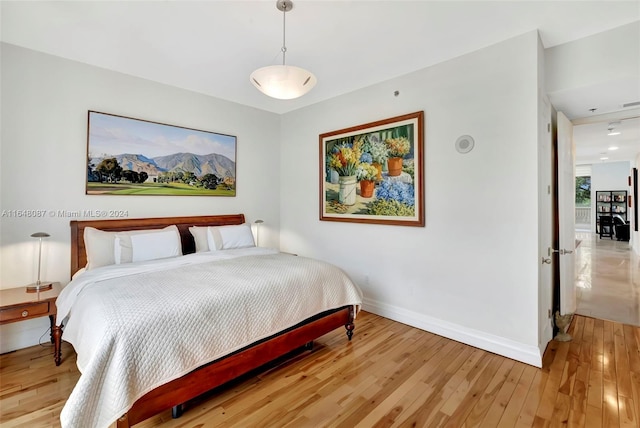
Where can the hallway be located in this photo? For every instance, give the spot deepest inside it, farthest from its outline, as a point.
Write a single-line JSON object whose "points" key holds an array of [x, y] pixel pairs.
{"points": [[608, 279]]}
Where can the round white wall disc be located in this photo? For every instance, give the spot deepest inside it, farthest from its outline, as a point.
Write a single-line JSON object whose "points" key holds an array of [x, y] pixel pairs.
{"points": [[464, 144]]}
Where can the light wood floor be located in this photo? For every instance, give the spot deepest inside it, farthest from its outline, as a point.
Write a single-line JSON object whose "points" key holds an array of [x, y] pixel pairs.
{"points": [[390, 375], [608, 279]]}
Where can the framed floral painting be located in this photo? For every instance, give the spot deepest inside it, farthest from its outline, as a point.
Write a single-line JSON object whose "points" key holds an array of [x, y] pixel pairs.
{"points": [[374, 173]]}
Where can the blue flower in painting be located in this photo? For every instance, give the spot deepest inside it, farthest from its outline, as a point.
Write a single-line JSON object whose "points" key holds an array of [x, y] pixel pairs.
{"points": [[397, 191], [366, 158]]}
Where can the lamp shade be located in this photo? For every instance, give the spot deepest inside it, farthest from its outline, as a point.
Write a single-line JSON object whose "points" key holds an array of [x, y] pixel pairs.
{"points": [[284, 82]]}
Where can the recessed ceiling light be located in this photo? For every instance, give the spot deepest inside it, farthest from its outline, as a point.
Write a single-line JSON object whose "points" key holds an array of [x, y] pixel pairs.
{"points": [[613, 148], [604, 158], [612, 129]]}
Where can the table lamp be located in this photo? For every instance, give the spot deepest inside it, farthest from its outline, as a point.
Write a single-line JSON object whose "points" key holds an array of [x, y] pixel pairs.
{"points": [[258, 223], [39, 285]]}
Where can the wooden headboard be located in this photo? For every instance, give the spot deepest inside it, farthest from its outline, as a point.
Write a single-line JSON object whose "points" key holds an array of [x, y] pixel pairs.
{"points": [[79, 254]]}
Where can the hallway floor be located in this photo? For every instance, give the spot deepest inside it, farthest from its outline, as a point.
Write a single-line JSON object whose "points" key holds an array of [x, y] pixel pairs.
{"points": [[608, 279]]}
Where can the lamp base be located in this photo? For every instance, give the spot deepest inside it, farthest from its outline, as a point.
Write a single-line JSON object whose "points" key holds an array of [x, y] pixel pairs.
{"points": [[43, 286]]}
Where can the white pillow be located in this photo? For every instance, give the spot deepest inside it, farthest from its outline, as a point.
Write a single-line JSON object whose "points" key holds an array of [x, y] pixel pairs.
{"points": [[214, 240], [201, 237], [125, 246], [117, 250], [152, 246], [228, 237], [99, 246]]}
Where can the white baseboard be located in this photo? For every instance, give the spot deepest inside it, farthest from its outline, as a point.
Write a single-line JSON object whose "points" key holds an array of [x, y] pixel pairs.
{"points": [[489, 342]]}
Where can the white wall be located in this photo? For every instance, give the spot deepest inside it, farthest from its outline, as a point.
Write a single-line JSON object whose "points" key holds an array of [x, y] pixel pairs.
{"points": [[472, 273], [601, 60], [43, 161], [610, 176]]}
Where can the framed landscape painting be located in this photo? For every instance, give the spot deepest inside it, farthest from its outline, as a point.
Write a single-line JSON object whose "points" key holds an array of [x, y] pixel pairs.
{"points": [[128, 156], [373, 173]]}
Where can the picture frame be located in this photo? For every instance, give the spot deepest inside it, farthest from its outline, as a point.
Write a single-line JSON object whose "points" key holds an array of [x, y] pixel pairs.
{"points": [[127, 156], [351, 156]]}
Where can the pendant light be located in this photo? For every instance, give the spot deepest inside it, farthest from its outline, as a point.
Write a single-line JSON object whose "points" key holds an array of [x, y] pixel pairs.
{"points": [[284, 82]]}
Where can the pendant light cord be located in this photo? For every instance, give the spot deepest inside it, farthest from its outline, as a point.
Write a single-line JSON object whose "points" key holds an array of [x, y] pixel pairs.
{"points": [[284, 32]]}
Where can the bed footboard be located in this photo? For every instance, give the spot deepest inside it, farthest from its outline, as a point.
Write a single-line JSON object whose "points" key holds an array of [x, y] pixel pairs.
{"points": [[216, 373]]}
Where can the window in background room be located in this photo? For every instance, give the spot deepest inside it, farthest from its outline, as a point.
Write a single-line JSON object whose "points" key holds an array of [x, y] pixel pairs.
{"points": [[583, 197], [583, 191]]}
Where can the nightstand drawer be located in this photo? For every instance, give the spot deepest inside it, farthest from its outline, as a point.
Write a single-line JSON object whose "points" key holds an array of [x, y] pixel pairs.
{"points": [[24, 311]]}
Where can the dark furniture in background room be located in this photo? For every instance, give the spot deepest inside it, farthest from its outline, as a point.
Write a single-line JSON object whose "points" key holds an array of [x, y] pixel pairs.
{"points": [[621, 228], [606, 226]]}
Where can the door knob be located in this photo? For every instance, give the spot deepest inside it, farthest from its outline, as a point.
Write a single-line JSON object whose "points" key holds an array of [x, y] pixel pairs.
{"points": [[546, 261]]}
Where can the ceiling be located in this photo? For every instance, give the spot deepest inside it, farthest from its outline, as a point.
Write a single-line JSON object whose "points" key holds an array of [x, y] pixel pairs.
{"points": [[593, 144], [211, 47]]}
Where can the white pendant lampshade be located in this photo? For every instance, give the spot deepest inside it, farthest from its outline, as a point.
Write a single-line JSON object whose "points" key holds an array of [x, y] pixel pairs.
{"points": [[283, 82]]}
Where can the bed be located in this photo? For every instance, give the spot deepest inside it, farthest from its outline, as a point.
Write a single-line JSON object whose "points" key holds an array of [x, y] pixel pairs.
{"points": [[136, 349]]}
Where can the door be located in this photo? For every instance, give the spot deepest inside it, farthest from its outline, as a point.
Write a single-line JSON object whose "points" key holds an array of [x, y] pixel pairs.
{"points": [[545, 223], [566, 214]]}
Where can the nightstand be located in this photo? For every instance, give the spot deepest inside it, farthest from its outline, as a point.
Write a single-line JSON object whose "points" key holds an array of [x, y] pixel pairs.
{"points": [[18, 305]]}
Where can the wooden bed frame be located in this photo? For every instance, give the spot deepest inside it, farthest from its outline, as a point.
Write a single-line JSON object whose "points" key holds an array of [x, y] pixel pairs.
{"points": [[175, 393]]}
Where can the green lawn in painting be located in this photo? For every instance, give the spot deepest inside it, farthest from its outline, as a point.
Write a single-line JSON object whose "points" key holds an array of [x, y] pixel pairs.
{"points": [[174, 189]]}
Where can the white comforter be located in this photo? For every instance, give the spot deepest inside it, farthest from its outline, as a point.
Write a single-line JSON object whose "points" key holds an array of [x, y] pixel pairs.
{"points": [[137, 326]]}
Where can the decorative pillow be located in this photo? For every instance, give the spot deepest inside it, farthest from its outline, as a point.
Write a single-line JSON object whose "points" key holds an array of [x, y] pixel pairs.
{"points": [[201, 237], [99, 246], [152, 246], [125, 246], [228, 237]]}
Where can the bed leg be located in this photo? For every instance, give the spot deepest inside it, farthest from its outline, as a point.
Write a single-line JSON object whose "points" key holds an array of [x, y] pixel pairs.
{"points": [[350, 328], [56, 335], [350, 325], [177, 411], [123, 421]]}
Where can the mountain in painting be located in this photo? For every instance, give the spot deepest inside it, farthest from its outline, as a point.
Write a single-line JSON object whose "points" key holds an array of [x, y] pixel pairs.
{"points": [[138, 163], [200, 165]]}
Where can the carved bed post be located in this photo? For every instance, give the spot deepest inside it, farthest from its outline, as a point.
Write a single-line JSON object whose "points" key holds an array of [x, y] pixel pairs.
{"points": [[350, 325], [56, 335]]}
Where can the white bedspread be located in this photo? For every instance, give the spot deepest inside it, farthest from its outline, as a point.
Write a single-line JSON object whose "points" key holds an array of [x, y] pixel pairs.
{"points": [[137, 326]]}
